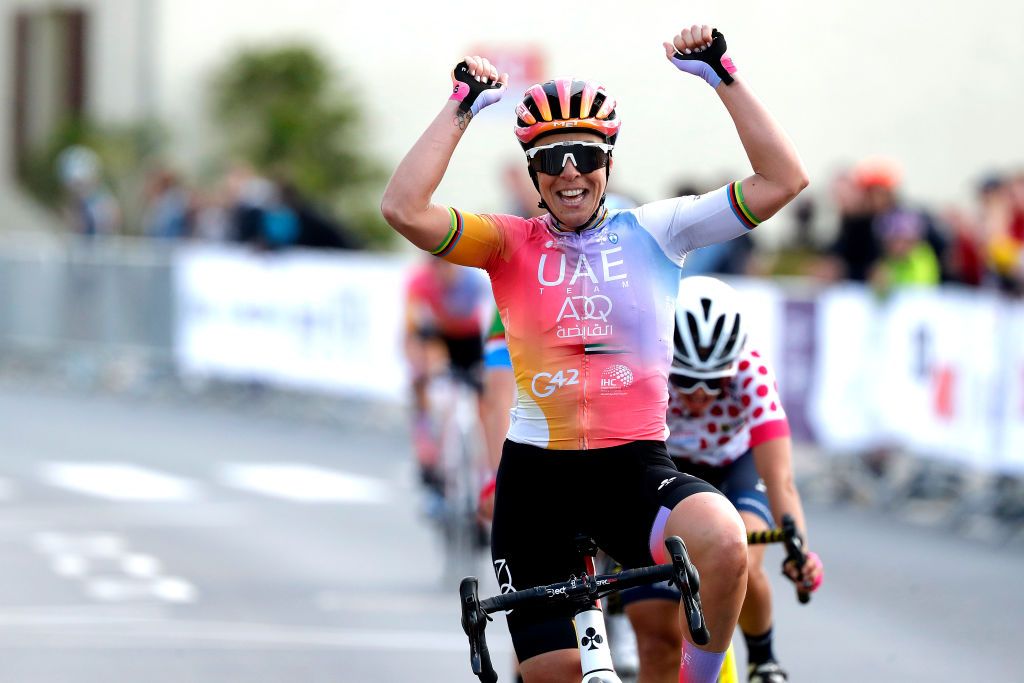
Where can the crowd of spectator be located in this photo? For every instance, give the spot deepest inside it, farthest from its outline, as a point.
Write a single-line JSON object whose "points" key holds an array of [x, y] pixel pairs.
{"points": [[881, 239], [877, 237], [244, 207]]}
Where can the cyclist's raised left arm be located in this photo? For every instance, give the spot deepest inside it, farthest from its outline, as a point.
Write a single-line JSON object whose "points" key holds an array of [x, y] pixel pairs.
{"points": [[779, 175], [407, 202]]}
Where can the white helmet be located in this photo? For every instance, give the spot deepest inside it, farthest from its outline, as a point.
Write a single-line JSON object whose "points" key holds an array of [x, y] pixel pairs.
{"points": [[710, 329]]}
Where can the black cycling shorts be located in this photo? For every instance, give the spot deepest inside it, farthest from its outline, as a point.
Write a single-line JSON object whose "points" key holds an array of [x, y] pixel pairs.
{"points": [[545, 498], [464, 353], [741, 484]]}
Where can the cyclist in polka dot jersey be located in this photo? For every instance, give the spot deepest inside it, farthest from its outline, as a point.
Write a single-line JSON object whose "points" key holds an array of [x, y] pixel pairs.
{"points": [[727, 427], [746, 414]]}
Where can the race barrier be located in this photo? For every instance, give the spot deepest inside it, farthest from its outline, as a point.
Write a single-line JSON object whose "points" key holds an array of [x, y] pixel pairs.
{"points": [[939, 372], [936, 372]]}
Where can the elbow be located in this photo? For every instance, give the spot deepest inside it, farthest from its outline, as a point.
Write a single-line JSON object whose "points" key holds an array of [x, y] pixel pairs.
{"points": [[797, 182], [392, 211]]}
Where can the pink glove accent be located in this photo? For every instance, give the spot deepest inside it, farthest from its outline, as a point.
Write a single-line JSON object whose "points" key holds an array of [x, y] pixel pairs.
{"points": [[460, 91], [821, 575]]}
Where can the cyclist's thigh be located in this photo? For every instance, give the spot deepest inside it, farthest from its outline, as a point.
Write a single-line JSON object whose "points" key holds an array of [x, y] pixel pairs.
{"points": [[557, 666], [743, 486], [533, 541], [647, 485], [657, 621]]}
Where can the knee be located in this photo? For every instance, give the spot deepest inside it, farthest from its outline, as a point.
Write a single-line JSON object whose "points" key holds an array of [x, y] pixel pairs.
{"points": [[728, 556]]}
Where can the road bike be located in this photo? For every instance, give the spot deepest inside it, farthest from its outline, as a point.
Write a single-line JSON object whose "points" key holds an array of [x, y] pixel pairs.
{"points": [[584, 594], [454, 398]]}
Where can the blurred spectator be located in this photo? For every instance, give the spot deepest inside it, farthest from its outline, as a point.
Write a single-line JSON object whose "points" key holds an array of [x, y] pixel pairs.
{"points": [[907, 258], [1002, 210], [166, 207], [965, 258], [863, 194], [212, 217], [798, 256], [315, 228], [259, 217], [855, 247], [275, 215], [90, 208]]}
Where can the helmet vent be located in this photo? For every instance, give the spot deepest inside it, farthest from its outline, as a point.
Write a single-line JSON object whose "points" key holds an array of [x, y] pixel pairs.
{"points": [[706, 305]]}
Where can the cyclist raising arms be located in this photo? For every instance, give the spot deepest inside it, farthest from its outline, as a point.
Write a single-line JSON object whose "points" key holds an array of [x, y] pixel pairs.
{"points": [[728, 427], [588, 300]]}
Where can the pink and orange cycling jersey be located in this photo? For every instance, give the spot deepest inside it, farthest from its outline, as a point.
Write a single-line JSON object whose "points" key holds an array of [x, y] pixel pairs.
{"points": [[589, 314], [747, 414]]}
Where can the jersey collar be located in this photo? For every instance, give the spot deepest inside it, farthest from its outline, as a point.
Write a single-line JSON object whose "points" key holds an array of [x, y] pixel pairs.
{"points": [[598, 219]]}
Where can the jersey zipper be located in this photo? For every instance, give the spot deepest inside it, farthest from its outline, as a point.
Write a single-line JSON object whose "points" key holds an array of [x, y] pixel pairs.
{"points": [[584, 366]]}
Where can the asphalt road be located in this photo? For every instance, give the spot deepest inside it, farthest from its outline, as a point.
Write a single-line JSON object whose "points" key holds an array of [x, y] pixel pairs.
{"points": [[180, 540]]}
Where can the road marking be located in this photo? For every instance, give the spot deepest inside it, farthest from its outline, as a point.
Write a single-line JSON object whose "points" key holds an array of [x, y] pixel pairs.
{"points": [[119, 481], [113, 632], [304, 483], [108, 571]]}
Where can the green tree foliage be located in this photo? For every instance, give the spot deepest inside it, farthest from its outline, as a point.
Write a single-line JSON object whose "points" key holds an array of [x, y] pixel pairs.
{"points": [[284, 111]]}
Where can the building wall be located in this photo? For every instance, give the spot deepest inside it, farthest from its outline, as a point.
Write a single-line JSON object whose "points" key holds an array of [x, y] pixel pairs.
{"points": [[927, 82]]}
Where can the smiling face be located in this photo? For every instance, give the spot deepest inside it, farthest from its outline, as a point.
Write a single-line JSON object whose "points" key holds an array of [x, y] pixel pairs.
{"points": [[571, 196]]}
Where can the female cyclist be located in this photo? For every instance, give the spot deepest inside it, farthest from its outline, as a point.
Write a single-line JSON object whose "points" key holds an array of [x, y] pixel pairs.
{"points": [[727, 426], [587, 296]]}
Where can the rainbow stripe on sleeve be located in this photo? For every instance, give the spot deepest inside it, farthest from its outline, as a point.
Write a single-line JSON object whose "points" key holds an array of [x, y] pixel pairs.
{"points": [[453, 236], [739, 207]]}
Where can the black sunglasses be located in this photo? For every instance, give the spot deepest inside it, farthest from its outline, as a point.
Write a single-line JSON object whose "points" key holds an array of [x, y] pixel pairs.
{"points": [[585, 156], [688, 385]]}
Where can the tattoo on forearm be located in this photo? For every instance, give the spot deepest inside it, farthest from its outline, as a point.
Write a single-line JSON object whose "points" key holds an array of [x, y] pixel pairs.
{"points": [[462, 119]]}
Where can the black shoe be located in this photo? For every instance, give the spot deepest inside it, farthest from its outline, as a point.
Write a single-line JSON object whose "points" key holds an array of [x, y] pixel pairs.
{"points": [[766, 672]]}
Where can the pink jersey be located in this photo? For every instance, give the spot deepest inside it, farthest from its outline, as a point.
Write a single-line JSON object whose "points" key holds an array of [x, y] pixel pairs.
{"points": [[747, 413], [589, 314]]}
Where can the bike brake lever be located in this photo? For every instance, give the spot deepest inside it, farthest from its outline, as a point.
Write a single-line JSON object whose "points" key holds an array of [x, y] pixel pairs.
{"points": [[687, 580], [474, 621], [794, 543]]}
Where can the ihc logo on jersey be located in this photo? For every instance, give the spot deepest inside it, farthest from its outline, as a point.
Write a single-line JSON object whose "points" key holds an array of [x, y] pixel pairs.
{"points": [[616, 378]]}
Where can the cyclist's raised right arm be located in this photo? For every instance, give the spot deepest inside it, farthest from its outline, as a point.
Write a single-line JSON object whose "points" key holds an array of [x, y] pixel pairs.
{"points": [[406, 204]]}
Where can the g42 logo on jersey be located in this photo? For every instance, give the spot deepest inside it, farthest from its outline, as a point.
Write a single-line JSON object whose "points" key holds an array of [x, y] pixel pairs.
{"points": [[544, 383]]}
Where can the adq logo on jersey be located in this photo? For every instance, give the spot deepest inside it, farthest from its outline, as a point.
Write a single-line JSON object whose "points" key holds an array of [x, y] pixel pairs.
{"points": [[616, 378], [596, 307]]}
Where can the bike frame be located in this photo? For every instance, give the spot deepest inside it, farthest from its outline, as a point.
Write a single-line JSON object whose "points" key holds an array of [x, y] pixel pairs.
{"points": [[584, 593]]}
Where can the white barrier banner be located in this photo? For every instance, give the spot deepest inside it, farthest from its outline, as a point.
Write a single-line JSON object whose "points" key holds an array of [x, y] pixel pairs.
{"points": [[326, 321], [1011, 387], [934, 385], [842, 406]]}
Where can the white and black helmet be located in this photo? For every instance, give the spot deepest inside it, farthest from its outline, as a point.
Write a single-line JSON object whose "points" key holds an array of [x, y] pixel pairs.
{"points": [[710, 329]]}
